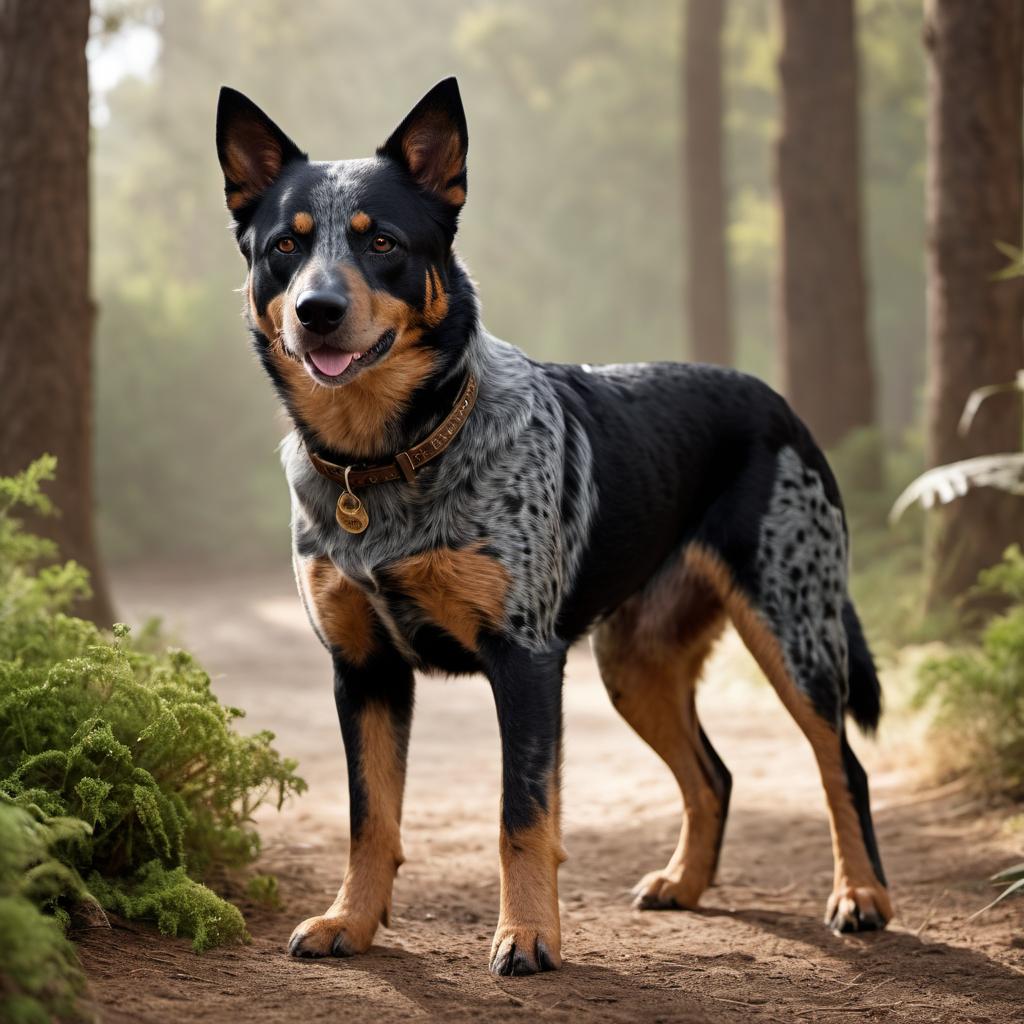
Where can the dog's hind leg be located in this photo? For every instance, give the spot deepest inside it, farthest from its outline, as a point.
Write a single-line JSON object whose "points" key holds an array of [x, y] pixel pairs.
{"points": [[792, 612], [859, 900], [650, 653]]}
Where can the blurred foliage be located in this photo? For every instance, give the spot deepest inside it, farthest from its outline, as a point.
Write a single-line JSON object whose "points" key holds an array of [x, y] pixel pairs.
{"points": [[978, 691], [887, 560], [262, 889], [39, 974], [1001, 470], [128, 740], [573, 227]]}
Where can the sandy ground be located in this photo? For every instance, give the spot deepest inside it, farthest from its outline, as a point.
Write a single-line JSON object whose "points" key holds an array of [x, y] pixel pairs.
{"points": [[756, 951]]}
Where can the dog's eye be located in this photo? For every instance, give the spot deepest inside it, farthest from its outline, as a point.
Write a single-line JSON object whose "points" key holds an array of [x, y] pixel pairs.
{"points": [[286, 245], [382, 243]]}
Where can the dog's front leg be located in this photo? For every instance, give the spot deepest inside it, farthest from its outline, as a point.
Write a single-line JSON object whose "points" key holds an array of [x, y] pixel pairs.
{"points": [[375, 708], [528, 693]]}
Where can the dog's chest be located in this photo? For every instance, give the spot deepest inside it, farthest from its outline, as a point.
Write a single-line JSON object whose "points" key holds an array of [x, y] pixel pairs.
{"points": [[434, 607], [485, 541], [444, 594], [424, 567]]}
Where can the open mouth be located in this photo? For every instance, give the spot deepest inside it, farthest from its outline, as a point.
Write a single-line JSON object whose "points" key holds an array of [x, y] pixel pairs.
{"points": [[331, 366]]}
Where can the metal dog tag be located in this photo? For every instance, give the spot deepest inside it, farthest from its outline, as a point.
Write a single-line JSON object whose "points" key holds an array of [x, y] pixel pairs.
{"points": [[350, 513]]}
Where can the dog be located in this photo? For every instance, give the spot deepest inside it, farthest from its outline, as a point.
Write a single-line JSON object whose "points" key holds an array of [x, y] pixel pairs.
{"points": [[459, 507]]}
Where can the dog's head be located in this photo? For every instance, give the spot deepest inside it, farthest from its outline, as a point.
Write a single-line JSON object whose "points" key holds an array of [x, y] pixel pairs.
{"points": [[350, 275]]}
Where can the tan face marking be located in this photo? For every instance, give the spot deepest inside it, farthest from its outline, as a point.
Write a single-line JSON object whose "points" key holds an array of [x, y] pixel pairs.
{"points": [[302, 222], [271, 320], [378, 394], [435, 307], [373, 399], [360, 222]]}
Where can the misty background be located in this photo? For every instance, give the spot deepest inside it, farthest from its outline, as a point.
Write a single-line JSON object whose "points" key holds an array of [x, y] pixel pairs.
{"points": [[574, 228]]}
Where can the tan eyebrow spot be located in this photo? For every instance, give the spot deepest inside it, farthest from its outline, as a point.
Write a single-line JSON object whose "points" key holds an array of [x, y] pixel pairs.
{"points": [[360, 221], [302, 222]]}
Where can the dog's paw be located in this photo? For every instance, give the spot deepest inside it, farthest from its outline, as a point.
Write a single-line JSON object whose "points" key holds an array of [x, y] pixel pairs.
{"points": [[864, 908], [525, 950], [661, 890], [330, 936]]}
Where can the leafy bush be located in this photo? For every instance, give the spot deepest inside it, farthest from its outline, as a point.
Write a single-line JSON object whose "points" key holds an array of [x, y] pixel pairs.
{"points": [[978, 691], [128, 739], [39, 975], [178, 904]]}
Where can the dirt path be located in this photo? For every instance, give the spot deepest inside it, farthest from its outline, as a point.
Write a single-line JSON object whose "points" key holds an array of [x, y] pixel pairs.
{"points": [[757, 951]]}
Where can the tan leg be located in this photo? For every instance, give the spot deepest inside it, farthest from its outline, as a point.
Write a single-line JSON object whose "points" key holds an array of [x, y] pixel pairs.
{"points": [[527, 690], [652, 682], [528, 936], [364, 900], [859, 899], [374, 694]]}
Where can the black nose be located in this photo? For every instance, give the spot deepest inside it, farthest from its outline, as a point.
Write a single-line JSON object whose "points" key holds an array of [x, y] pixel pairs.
{"points": [[321, 311]]}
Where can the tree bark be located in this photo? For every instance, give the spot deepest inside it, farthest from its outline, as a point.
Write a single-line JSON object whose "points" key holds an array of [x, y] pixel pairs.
{"points": [[826, 364], [707, 259], [46, 329], [974, 199]]}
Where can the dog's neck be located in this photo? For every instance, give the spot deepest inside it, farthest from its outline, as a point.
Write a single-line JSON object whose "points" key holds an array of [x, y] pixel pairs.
{"points": [[379, 426]]}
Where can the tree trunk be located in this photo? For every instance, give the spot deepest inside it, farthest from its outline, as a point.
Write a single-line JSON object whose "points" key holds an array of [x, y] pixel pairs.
{"points": [[826, 369], [974, 199], [46, 329], [707, 260]]}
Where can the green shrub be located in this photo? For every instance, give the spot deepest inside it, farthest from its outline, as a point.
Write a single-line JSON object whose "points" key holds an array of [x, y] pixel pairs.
{"points": [[176, 902], [128, 739], [39, 975], [978, 692]]}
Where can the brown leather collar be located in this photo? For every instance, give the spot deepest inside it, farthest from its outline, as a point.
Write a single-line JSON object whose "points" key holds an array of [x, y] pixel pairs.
{"points": [[404, 464]]}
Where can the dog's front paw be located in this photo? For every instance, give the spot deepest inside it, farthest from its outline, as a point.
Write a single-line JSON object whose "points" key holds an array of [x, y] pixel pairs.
{"points": [[331, 936], [665, 890], [863, 908], [525, 950]]}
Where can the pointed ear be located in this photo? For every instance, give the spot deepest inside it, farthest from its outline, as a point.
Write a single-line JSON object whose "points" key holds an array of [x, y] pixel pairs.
{"points": [[252, 149], [431, 143]]}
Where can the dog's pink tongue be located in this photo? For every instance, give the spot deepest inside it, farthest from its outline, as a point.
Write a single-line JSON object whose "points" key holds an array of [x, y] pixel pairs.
{"points": [[330, 361]]}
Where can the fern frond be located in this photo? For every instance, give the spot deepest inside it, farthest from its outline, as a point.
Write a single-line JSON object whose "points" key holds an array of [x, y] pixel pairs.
{"points": [[978, 395], [944, 484]]}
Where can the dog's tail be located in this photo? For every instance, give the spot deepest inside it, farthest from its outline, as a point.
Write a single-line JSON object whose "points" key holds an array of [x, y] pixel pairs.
{"points": [[864, 700]]}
